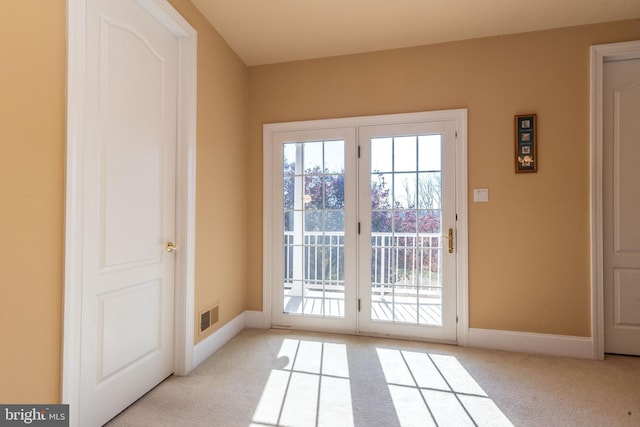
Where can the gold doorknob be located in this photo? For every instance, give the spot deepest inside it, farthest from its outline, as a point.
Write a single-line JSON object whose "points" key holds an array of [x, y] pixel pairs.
{"points": [[170, 247]]}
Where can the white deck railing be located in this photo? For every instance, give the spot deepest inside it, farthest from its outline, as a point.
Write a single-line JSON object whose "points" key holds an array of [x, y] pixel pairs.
{"points": [[402, 261]]}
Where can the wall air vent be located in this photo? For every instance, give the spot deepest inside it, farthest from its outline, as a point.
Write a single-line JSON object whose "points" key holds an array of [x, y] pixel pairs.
{"points": [[208, 318]]}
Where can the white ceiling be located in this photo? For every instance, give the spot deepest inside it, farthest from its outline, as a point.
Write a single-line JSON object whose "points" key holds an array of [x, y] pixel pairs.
{"points": [[272, 31]]}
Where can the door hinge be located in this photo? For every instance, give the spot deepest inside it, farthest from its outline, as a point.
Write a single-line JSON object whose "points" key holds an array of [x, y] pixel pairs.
{"points": [[456, 134], [358, 305], [358, 151], [456, 319], [358, 227], [456, 217]]}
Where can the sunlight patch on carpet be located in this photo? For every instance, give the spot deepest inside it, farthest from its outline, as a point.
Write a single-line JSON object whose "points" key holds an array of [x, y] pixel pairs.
{"points": [[312, 387], [434, 389]]}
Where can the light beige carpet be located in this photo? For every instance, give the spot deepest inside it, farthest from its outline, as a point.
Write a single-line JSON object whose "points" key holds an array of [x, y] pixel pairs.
{"points": [[290, 378]]}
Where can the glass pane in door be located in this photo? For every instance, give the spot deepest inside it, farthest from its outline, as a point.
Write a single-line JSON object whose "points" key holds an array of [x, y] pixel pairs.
{"points": [[406, 215], [313, 233]]}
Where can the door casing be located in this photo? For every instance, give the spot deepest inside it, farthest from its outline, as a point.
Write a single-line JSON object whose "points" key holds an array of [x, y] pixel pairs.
{"points": [[185, 192], [460, 118], [600, 54]]}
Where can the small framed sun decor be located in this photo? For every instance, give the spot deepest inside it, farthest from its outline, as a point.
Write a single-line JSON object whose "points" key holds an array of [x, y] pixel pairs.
{"points": [[526, 144]]}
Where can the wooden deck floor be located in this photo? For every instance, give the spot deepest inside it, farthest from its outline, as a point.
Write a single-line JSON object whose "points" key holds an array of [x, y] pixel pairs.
{"points": [[425, 311]]}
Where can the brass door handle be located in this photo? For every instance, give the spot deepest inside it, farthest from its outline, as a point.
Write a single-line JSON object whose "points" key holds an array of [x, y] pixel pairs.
{"points": [[170, 247], [450, 239]]}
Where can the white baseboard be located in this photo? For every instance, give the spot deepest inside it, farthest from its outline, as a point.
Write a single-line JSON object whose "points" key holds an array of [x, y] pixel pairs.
{"points": [[523, 342], [205, 348], [255, 319], [526, 342]]}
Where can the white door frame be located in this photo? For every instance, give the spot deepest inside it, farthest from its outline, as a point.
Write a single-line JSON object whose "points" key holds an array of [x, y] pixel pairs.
{"points": [[185, 192], [462, 249], [599, 55]]}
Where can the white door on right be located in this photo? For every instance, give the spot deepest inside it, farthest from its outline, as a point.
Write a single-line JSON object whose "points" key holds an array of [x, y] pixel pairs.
{"points": [[408, 283], [621, 197]]}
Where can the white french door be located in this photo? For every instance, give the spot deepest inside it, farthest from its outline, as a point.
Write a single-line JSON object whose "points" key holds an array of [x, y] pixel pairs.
{"points": [[314, 210], [361, 228], [407, 210]]}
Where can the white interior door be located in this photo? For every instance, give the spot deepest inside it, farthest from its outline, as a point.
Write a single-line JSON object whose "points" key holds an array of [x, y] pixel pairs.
{"points": [[129, 208], [621, 206], [407, 211]]}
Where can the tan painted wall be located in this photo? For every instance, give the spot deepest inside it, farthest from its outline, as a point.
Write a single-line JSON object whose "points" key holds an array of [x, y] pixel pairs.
{"points": [[529, 267], [221, 236], [32, 159], [32, 141]]}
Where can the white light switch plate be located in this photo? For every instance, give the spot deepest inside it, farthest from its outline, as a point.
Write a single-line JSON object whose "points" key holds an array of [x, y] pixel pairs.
{"points": [[480, 194]]}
